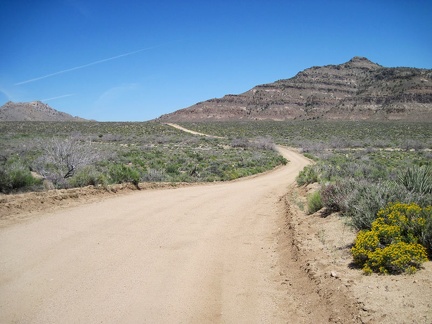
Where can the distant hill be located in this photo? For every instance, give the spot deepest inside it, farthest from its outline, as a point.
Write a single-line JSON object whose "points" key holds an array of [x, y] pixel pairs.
{"points": [[33, 111], [356, 90]]}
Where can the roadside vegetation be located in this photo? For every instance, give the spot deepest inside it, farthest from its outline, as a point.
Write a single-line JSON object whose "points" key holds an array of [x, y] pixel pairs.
{"points": [[71, 154], [366, 187], [382, 188], [376, 175], [321, 135], [399, 240]]}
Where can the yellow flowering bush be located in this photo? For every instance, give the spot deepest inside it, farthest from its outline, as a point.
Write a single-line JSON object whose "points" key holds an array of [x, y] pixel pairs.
{"points": [[397, 241], [397, 258], [366, 243]]}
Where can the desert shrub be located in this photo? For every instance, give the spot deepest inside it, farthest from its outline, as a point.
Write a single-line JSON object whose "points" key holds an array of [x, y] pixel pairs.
{"points": [[240, 142], [412, 145], [330, 198], [339, 142], [308, 175], [14, 174], [311, 147], [314, 202], [360, 200], [396, 241], [336, 196], [414, 221], [264, 143], [311, 134], [426, 235], [366, 199], [260, 143], [60, 159], [359, 185], [310, 156], [153, 175], [120, 173], [216, 169], [88, 176], [417, 179]]}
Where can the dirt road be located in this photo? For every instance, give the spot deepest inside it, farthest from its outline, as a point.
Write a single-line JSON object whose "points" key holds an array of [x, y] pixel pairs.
{"points": [[191, 131], [190, 255]]}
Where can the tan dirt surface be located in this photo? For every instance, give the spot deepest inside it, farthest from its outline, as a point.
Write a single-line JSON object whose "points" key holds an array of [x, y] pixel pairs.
{"points": [[190, 255], [21, 207], [235, 252], [191, 131]]}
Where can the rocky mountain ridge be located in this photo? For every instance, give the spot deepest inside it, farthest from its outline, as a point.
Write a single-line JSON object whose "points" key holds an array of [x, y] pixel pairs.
{"points": [[356, 90], [33, 111]]}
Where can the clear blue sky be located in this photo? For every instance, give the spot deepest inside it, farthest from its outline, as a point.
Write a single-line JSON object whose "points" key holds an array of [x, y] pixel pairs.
{"points": [[136, 60]]}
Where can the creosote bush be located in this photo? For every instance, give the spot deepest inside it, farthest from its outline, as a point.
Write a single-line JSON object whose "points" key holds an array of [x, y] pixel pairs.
{"points": [[397, 242]]}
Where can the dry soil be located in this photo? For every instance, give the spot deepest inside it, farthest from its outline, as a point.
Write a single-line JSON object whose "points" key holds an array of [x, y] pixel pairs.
{"points": [[235, 252]]}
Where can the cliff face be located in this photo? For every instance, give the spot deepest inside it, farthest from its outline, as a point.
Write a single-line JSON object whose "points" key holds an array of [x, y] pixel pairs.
{"points": [[33, 111], [358, 89]]}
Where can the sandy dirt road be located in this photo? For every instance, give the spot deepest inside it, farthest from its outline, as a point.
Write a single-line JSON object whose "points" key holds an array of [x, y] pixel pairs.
{"points": [[191, 131], [202, 254]]}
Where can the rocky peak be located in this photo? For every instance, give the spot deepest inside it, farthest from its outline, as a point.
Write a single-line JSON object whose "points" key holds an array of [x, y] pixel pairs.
{"points": [[360, 60], [358, 89], [33, 111], [362, 63]]}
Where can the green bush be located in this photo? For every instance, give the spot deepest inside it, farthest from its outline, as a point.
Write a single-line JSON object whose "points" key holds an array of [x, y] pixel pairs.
{"points": [[366, 199], [314, 202], [308, 175], [88, 176], [310, 156], [120, 173], [396, 242], [360, 200], [14, 174]]}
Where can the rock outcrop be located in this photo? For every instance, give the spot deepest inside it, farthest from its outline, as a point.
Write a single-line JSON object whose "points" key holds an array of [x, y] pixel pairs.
{"points": [[356, 90]]}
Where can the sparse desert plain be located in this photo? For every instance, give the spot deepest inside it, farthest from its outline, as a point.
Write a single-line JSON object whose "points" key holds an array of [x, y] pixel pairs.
{"points": [[242, 251]]}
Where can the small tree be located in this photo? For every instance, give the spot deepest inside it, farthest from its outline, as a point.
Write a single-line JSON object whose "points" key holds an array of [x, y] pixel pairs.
{"points": [[60, 159]]}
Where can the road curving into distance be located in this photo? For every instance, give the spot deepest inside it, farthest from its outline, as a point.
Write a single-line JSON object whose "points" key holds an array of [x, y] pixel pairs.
{"points": [[201, 254]]}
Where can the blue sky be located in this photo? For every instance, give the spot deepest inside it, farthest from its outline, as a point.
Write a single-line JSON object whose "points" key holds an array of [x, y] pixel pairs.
{"points": [[136, 60]]}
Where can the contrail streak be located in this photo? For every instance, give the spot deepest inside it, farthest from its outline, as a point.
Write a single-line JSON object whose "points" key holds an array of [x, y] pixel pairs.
{"points": [[87, 65], [58, 97]]}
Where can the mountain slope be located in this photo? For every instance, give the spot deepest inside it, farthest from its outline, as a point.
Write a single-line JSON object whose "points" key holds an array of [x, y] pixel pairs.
{"points": [[33, 111], [358, 89]]}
